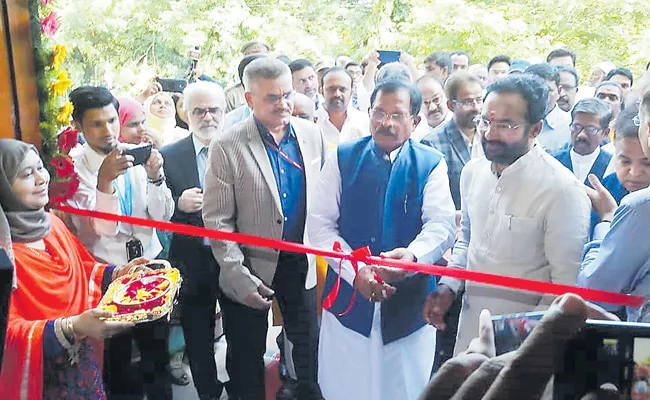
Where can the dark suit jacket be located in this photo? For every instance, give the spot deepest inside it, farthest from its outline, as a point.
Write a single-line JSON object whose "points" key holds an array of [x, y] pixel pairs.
{"points": [[449, 141], [188, 253], [598, 168]]}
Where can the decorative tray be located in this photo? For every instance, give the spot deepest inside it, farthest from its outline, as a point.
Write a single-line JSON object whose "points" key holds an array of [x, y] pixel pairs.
{"points": [[143, 296]]}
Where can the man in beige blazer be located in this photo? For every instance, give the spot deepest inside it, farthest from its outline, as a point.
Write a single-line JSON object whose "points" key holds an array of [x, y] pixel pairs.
{"points": [[260, 177]]}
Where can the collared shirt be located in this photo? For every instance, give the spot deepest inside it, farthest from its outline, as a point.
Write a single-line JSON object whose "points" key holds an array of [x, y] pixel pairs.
{"points": [[236, 116], [201, 152], [290, 180], [106, 240], [611, 167], [531, 222], [555, 134], [438, 214], [356, 126], [618, 257], [582, 163]]}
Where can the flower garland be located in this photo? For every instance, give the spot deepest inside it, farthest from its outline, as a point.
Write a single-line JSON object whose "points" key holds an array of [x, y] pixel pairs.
{"points": [[53, 82]]}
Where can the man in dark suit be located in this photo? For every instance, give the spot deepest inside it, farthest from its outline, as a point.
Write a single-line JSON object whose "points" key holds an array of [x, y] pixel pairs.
{"points": [[454, 139], [590, 120], [186, 160]]}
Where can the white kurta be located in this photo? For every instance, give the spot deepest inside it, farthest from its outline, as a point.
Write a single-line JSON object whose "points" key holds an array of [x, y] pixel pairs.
{"points": [[351, 366], [532, 222]]}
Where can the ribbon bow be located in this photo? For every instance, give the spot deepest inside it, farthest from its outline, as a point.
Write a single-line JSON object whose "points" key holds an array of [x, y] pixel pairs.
{"points": [[362, 252]]}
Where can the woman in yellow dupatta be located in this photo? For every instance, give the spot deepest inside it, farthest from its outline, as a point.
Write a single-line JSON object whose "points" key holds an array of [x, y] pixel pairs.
{"points": [[54, 333]]}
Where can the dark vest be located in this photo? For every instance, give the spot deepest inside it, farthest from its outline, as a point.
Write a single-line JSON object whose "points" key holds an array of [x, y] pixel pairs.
{"points": [[381, 207]]}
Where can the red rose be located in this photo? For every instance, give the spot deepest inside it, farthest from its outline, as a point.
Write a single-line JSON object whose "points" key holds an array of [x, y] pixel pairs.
{"points": [[50, 25], [63, 165], [67, 139], [62, 191]]}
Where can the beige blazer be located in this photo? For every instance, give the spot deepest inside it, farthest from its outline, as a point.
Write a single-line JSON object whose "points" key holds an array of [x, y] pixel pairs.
{"points": [[240, 195]]}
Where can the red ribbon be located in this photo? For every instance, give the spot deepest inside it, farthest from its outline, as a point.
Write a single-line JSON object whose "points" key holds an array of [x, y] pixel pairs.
{"points": [[438, 270], [363, 252]]}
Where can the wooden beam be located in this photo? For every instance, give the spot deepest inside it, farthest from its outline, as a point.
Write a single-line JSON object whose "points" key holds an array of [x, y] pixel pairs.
{"points": [[7, 120], [23, 66]]}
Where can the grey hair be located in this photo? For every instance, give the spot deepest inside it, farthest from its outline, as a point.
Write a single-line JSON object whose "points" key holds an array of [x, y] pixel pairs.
{"points": [[393, 71], [594, 106], [264, 68], [194, 88]]}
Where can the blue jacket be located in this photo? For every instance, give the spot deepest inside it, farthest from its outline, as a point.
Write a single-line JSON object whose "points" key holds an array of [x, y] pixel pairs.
{"points": [[598, 168]]}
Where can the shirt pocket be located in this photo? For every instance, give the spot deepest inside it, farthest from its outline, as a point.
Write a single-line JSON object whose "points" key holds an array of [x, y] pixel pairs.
{"points": [[519, 239]]}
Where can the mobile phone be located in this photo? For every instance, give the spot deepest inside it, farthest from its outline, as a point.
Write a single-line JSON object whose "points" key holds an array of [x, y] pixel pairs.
{"points": [[603, 353], [388, 56], [133, 249], [172, 85], [140, 154]]}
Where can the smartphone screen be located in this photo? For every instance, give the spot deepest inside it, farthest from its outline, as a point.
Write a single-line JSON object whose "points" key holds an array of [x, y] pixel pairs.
{"points": [[172, 85]]}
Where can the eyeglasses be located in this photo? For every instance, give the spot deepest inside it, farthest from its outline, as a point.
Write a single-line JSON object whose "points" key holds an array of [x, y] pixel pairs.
{"points": [[379, 115], [568, 88], [483, 125], [607, 96], [275, 98], [202, 112], [470, 102], [589, 130], [636, 120]]}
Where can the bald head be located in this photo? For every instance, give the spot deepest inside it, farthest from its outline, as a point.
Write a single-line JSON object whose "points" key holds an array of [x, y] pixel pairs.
{"points": [[304, 107], [204, 103]]}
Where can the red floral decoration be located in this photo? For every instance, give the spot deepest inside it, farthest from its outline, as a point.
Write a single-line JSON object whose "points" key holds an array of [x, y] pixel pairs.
{"points": [[50, 25], [45, 2], [67, 140], [62, 191], [63, 165]]}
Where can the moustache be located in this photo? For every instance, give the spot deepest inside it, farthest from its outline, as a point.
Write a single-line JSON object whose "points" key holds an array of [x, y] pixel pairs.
{"points": [[383, 131]]}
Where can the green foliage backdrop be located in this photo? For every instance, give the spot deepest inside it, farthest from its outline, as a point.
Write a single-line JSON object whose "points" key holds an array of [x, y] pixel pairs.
{"points": [[123, 43]]}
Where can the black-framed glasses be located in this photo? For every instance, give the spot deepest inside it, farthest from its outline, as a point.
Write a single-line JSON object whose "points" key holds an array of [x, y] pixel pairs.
{"points": [[202, 112], [483, 125], [470, 102], [379, 115], [589, 130], [275, 98]]}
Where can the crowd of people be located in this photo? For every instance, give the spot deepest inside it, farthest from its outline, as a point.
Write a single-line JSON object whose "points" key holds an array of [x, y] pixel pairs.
{"points": [[509, 168]]}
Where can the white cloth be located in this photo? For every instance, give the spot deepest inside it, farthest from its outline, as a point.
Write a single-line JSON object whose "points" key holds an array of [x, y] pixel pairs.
{"points": [[106, 240], [363, 97], [582, 164], [424, 128], [352, 366], [555, 134], [356, 126], [531, 222], [611, 167]]}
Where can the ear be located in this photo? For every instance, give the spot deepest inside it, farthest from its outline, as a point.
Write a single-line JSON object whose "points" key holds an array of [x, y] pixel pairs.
{"points": [[249, 99], [451, 105], [416, 120], [535, 129]]}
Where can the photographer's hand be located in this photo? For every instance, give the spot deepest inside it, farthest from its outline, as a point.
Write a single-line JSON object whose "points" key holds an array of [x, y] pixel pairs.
{"points": [[521, 374]]}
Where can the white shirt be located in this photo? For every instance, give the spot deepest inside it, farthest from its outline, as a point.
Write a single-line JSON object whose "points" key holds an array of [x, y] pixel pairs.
{"points": [[582, 164], [611, 167], [531, 222], [424, 128], [363, 97], [356, 126], [555, 133], [106, 240]]}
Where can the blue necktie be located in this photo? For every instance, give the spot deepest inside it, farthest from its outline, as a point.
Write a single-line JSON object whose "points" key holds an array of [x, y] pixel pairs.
{"points": [[201, 163]]}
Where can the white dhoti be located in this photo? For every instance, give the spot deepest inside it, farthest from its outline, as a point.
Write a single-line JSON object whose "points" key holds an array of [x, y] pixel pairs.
{"points": [[354, 367]]}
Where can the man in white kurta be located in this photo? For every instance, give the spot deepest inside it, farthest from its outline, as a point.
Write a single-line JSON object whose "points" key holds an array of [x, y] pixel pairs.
{"points": [[523, 213], [391, 194], [338, 120]]}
